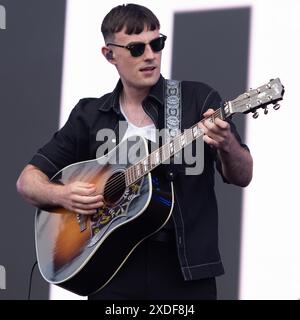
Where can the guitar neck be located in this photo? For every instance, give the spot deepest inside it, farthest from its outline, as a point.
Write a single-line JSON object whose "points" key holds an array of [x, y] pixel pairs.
{"points": [[250, 101], [168, 150]]}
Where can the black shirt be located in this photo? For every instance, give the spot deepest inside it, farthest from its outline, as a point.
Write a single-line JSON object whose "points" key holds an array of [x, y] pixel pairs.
{"points": [[195, 214]]}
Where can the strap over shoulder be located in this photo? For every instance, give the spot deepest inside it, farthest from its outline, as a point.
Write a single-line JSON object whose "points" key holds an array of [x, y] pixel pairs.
{"points": [[173, 107]]}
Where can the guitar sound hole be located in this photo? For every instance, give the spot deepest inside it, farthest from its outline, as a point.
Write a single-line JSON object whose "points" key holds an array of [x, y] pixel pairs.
{"points": [[114, 188]]}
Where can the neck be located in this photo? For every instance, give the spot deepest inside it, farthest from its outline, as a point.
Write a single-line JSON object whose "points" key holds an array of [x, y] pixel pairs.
{"points": [[134, 96]]}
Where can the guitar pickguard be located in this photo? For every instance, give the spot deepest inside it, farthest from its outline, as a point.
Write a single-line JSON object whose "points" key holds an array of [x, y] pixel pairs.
{"points": [[108, 216]]}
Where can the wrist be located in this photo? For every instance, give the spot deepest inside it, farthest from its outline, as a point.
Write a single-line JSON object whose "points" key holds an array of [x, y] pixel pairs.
{"points": [[230, 145], [56, 194]]}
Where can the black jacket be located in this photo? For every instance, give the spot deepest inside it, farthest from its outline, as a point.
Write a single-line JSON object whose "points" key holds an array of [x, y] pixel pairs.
{"points": [[195, 214]]}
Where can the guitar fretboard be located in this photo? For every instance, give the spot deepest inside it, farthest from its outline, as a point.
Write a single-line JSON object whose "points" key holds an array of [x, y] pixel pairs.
{"points": [[168, 150]]}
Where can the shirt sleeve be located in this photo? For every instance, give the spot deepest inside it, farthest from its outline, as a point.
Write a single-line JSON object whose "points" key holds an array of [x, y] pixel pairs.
{"points": [[214, 101], [61, 150]]}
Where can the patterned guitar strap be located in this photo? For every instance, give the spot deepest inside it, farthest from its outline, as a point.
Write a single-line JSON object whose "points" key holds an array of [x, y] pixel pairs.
{"points": [[173, 107]]}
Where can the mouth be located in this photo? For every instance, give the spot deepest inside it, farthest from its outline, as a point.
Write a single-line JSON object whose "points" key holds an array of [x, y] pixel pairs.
{"points": [[148, 69]]}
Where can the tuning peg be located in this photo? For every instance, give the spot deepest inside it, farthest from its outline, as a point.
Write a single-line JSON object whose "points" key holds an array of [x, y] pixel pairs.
{"points": [[276, 106], [255, 115], [266, 110]]}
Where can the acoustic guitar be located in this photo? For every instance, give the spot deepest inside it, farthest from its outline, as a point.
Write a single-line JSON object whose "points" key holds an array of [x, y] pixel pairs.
{"points": [[82, 253]]}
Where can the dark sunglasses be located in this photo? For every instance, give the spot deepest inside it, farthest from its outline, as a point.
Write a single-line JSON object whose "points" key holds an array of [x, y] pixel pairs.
{"points": [[138, 48]]}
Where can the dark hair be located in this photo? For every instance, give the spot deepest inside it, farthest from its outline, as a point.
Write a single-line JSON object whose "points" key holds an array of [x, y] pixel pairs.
{"points": [[133, 17]]}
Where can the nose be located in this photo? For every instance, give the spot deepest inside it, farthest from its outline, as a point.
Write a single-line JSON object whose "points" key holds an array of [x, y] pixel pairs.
{"points": [[148, 54]]}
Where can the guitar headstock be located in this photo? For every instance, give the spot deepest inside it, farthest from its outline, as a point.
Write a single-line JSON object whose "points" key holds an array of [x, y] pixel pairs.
{"points": [[254, 99]]}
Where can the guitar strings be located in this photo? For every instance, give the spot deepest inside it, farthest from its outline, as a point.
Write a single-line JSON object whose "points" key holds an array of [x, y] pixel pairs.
{"points": [[114, 185], [117, 183]]}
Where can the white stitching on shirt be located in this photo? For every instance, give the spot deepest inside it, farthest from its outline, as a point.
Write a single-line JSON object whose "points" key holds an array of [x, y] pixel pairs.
{"points": [[184, 248], [176, 241], [204, 264], [39, 154]]}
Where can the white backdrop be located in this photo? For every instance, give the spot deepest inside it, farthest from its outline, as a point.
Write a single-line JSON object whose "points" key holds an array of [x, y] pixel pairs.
{"points": [[270, 259]]}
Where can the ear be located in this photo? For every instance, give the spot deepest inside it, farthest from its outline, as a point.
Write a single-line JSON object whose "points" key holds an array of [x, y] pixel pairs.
{"points": [[108, 54]]}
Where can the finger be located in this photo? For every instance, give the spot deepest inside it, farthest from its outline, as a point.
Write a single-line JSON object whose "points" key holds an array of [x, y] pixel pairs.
{"points": [[84, 184], [208, 112], [202, 127], [224, 125], [212, 129], [84, 206], [219, 138], [85, 212], [86, 199], [218, 127], [208, 124], [210, 141], [84, 191]]}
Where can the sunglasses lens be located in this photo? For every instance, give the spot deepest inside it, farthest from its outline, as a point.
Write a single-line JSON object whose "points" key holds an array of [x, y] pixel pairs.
{"points": [[157, 44], [137, 49]]}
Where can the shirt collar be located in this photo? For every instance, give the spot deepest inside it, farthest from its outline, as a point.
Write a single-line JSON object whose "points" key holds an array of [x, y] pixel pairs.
{"points": [[157, 91], [112, 100]]}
